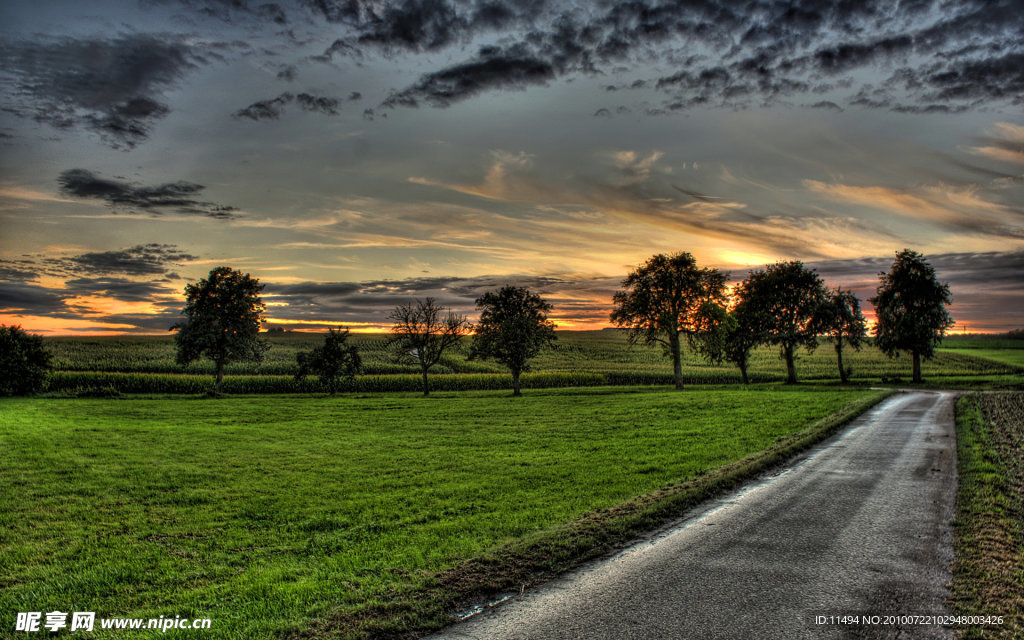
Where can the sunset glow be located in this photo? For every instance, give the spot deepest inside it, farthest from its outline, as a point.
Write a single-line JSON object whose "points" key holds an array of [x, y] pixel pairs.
{"points": [[356, 156]]}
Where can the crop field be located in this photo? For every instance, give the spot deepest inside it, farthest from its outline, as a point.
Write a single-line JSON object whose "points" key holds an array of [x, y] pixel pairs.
{"points": [[580, 359], [271, 515], [1012, 357], [988, 569]]}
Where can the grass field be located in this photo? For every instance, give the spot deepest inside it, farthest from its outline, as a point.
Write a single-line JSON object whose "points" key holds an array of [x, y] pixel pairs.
{"points": [[605, 356], [268, 515], [1012, 357], [988, 570]]}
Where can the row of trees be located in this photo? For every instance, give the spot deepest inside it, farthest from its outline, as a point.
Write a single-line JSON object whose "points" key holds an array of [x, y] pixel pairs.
{"points": [[224, 313], [669, 299], [665, 301]]}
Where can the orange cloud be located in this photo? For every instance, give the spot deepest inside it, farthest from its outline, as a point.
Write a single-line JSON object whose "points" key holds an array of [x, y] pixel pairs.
{"points": [[63, 326], [935, 203]]}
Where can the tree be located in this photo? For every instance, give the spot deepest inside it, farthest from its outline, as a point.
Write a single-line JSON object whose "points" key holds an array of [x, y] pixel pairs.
{"points": [[663, 300], [910, 309], [422, 332], [743, 333], [24, 362], [728, 335], [513, 328], [223, 317], [840, 318], [784, 299], [332, 362]]}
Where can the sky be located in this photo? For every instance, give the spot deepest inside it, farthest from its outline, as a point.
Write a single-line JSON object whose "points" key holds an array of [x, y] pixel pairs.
{"points": [[356, 154]]}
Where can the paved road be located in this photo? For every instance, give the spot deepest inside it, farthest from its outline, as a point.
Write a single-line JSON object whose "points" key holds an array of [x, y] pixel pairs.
{"points": [[860, 526]]}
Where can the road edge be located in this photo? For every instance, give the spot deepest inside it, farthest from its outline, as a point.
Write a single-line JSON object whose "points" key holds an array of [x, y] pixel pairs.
{"points": [[543, 556]]}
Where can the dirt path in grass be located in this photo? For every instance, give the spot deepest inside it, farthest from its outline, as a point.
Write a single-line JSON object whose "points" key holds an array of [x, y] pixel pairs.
{"points": [[858, 527]]}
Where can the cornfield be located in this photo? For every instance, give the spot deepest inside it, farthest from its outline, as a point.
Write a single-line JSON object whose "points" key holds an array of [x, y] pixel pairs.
{"points": [[146, 364]]}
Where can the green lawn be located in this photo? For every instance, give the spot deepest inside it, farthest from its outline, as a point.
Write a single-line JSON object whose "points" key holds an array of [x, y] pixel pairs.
{"points": [[271, 514]]}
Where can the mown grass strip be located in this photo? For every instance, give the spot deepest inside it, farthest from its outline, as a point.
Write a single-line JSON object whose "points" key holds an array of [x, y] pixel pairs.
{"points": [[988, 566], [543, 555]]}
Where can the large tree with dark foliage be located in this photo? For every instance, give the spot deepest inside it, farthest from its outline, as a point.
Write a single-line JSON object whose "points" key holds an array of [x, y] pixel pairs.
{"points": [[784, 298], [24, 362], [332, 362], [223, 315], [513, 328], [422, 332], [666, 298], [840, 318], [910, 309]]}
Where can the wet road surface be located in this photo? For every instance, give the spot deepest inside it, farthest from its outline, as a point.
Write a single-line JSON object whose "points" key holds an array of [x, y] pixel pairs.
{"points": [[857, 527]]}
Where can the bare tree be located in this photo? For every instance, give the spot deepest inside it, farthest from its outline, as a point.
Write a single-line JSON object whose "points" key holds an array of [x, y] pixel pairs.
{"points": [[422, 332]]}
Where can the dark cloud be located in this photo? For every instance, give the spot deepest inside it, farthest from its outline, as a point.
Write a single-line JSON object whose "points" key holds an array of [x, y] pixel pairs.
{"points": [[420, 25], [30, 299], [372, 301], [231, 10], [973, 80], [174, 197], [494, 68], [121, 289], [320, 104], [288, 73], [271, 109], [136, 274], [826, 104], [37, 300], [112, 87], [272, 12], [18, 270], [339, 48], [140, 260], [759, 53], [416, 25], [849, 55], [339, 11], [274, 108]]}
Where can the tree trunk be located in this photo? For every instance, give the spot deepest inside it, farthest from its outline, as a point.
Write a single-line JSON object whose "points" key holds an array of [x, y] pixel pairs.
{"points": [[917, 366], [220, 376], [790, 367], [515, 383], [743, 372], [426, 385], [677, 361], [839, 357]]}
